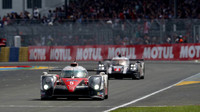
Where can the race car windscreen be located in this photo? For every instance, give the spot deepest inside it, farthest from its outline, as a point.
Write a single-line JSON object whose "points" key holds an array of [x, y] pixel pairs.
{"points": [[74, 73], [119, 62]]}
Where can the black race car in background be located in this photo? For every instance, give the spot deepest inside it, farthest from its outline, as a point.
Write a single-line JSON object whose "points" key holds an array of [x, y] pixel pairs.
{"points": [[122, 67]]}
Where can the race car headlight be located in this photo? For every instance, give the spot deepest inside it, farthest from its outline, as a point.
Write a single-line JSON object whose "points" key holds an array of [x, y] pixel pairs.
{"points": [[101, 67], [133, 67], [46, 82], [95, 82], [96, 87], [48, 79], [46, 87]]}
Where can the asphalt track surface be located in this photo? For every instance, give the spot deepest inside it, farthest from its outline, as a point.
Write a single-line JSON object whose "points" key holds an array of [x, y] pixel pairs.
{"points": [[20, 89]]}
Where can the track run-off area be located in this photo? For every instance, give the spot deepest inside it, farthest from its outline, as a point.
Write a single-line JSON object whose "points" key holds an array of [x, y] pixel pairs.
{"points": [[165, 84]]}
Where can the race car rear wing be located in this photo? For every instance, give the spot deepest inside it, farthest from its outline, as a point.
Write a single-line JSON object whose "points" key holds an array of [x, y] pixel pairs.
{"points": [[136, 59], [107, 59], [129, 59], [55, 70], [95, 70], [89, 70]]}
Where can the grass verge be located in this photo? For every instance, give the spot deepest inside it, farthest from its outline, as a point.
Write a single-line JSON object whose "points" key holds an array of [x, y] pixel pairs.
{"points": [[192, 108]]}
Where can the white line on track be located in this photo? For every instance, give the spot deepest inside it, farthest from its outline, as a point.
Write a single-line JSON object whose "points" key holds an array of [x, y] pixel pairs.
{"points": [[136, 100]]}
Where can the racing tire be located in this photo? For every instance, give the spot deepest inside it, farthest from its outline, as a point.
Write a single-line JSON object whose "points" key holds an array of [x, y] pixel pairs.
{"points": [[47, 98], [142, 77], [106, 96], [99, 99], [109, 77], [137, 76]]}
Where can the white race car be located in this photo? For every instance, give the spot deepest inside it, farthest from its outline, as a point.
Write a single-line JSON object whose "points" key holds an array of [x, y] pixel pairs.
{"points": [[122, 67]]}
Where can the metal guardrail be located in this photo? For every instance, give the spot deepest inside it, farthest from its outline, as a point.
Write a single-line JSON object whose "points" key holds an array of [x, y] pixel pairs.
{"points": [[100, 32]]}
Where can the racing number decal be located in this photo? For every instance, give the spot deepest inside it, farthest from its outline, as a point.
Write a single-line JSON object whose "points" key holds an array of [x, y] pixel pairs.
{"points": [[71, 83], [117, 69]]}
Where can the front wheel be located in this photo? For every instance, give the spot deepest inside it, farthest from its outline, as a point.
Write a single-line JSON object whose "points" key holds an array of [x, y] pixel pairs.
{"points": [[142, 77], [106, 96], [109, 77], [136, 76], [47, 98]]}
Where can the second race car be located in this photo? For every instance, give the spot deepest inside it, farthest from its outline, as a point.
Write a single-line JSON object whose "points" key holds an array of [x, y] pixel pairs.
{"points": [[122, 67]]}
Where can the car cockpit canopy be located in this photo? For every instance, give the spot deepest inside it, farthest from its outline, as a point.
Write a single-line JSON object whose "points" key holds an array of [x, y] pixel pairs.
{"points": [[120, 62]]}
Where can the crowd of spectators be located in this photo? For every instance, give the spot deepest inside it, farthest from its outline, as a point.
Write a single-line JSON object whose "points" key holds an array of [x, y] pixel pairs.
{"points": [[133, 9], [114, 10], [80, 10]]}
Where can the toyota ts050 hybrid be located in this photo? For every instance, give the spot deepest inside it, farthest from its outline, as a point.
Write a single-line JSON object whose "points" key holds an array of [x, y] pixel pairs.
{"points": [[74, 82], [122, 67]]}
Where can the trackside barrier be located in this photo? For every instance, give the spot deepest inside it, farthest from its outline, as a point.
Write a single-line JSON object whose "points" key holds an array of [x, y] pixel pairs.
{"points": [[14, 54], [4, 54], [23, 54], [181, 52]]}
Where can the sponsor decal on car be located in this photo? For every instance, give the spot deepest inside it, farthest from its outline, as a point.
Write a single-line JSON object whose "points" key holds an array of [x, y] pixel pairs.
{"points": [[71, 80]]}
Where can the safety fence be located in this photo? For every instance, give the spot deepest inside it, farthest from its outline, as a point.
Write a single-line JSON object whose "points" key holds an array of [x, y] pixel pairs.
{"points": [[102, 32], [181, 52]]}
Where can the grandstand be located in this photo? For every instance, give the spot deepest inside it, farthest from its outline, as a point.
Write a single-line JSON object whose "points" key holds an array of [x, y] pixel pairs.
{"points": [[91, 22]]}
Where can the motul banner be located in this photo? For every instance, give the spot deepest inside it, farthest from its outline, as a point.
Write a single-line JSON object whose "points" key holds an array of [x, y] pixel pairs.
{"points": [[92, 53], [60, 53], [38, 53], [100, 52]]}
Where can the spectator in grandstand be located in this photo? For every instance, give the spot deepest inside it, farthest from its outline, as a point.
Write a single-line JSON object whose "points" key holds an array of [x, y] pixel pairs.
{"points": [[50, 40], [125, 41], [197, 39], [117, 40], [154, 40], [3, 42], [36, 13], [168, 40], [181, 39], [147, 40], [184, 39]]}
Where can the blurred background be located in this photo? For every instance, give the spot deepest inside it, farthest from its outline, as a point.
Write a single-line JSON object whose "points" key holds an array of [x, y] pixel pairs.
{"points": [[98, 22]]}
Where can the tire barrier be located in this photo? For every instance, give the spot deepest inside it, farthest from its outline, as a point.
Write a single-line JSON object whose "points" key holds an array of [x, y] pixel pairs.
{"points": [[14, 54], [23, 54], [4, 54]]}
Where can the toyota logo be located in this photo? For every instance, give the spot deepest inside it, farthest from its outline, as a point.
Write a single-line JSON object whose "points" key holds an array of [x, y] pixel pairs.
{"points": [[71, 83]]}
